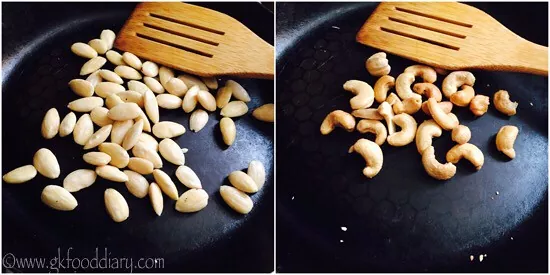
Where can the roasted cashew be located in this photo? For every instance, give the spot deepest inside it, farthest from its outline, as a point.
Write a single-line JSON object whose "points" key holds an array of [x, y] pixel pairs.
{"points": [[408, 130], [411, 105], [427, 73], [467, 151], [428, 89], [337, 118], [373, 126], [396, 103], [446, 121], [461, 134], [425, 134], [370, 113], [463, 97], [506, 137], [446, 106], [435, 169], [386, 111], [479, 105], [382, 86], [455, 80], [403, 86], [504, 104], [378, 64], [372, 154], [364, 95]]}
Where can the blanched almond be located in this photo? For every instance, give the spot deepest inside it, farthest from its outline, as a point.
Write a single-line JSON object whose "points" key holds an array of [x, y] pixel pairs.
{"points": [[116, 205], [112, 100], [97, 158], [150, 69], [243, 182], [210, 81], [94, 78], [155, 194], [191, 81], [104, 89], [190, 100], [132, 60], [151, 106], [67, 125], [236, 199], [137, 86], [99, 46], [234, 109], [115, 58], [166, 184], [131, 96], [207, 100], [86, 104], [165, 74], [98, 137], [82, 87], [132, 136], [92, 65], [20, 175], [127, 72], [146, 123], [256, 171], [238, 91], [176, 87], [198, 120], [223, 96], [142, 151], [149, 141], [83, 50], [58, 198], [229, 131], [110, 76], [168, 129], [171, 151], [192, 201], [111, 173], [153, 84], [119, 156], [136, 184], [109, 37], [79, 179], [169, 101], [50, 124], [124, 111], [83, 129], [188, 177], [265, 113], [99, 116], [46, 163], [141, 166], [120, 128]]}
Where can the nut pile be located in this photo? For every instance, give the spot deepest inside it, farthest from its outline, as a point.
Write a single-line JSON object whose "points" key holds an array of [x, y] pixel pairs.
{"points": [[129, 115], [397, 109]]}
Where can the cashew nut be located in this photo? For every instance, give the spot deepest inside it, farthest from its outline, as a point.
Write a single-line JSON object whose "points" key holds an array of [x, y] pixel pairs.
{"points": [[427, 73], [467, 151], [410, 105], [386, 111], [407, 133], [435, 169], [479, 105], [463, 97], [425, 134], [375, 127], [428, 89], [378, 64], [455, 80], [396, 103], [364, 95], [504, 104], [403, 86], [370, 113], [335, 119], [382, 86], [506, 137], [372, 154], [446, 121], [446, 106], [461, 134]]}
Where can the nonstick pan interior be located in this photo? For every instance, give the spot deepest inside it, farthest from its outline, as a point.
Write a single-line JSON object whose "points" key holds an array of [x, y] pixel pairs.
{"points": [[210, 240], [330, 218]]}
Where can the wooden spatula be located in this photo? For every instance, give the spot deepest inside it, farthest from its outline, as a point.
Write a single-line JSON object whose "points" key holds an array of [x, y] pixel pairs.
{"points": [[452, 36], [195, 40]]}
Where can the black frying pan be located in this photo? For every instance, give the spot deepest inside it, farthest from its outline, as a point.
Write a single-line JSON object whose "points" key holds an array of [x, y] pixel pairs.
{"points": [[38, 64], [402, 220]]}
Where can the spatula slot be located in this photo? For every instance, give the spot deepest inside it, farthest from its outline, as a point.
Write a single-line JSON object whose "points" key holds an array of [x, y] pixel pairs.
{"points": [[436, 43], [433, 17], [173, 20], [174, 45], [426, 27], [184, 35]]}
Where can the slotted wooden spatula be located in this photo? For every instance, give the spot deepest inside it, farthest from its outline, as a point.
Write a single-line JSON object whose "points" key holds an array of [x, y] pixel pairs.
{"points": [[195, 40], [452, 36]]}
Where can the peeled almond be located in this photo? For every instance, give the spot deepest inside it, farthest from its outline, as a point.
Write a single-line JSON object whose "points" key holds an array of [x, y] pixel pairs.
{"points": [[210, 81], [131, 96], [110, 76], [229, 131], [136, 184], [151, 106], [46, 163], [132, 60], [265, 113], [176, 87], [149, 141], [83, 50], [166, 184], [112, 100], [116, 205], [198, 120], [50, 124], [79, 179], [124, 111], [154, 85], [127, 72], [191, 81], [119, 156], [146, 123], [20, 175], [137, 86], [109, 37], [190, 100], [142, 151], [256, 171], [207, 100], [188, 177], [92, 65], [58, 198], [104, 89], [97, 158], [243, 182], [132, 136], [192, 201], [115, 58], [165, 74], [236, 199], [86, 104], [99, 46], [99, 116], [98, 137], [171, 151], [168, 129], [82, 87], [169, 101], [150, 69], [155, 195], [223, 96], [234, 109], [120, 128], [111, 173], [238, 91], [94, 78], [83, 129], [141, 166]]}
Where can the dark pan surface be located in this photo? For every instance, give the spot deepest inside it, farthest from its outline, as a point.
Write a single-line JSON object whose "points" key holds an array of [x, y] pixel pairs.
{"points": [[402, 220], [215, 239]]}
